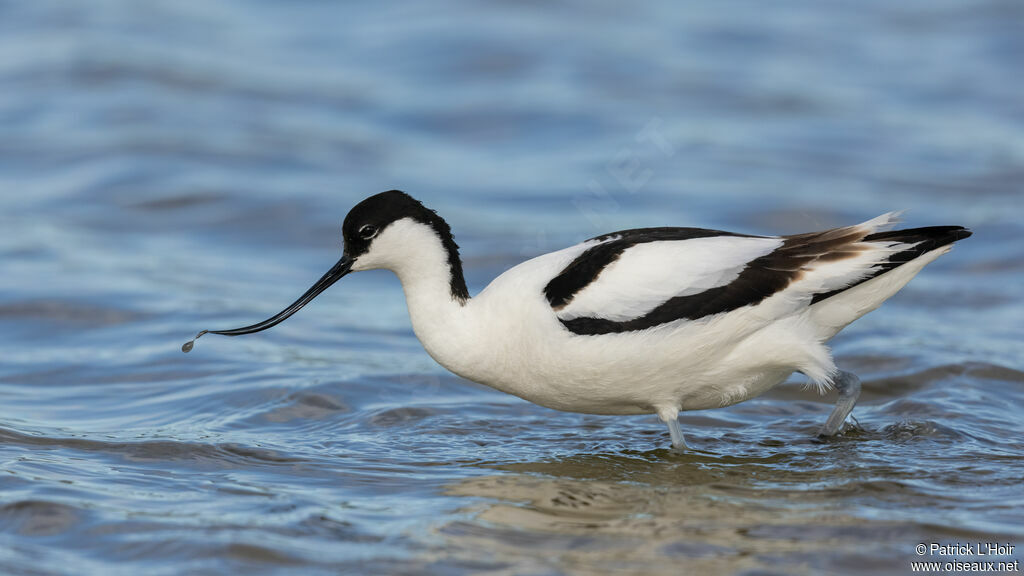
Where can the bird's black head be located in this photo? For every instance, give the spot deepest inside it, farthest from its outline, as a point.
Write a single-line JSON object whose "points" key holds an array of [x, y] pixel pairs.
{"points": [[363, 226], [366, 220], [372, 217]]}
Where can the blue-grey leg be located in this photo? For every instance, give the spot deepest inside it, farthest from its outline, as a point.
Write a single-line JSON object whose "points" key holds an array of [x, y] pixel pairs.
{"points": [[676, 433], [848, 386]]}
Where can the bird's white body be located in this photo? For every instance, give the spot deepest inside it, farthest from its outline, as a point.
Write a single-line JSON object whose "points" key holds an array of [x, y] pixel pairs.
{"points": [[509, 337], [651, 320]]}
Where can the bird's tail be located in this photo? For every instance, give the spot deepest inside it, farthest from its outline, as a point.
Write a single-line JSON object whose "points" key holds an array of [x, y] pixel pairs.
{"points": [[906, 245]]}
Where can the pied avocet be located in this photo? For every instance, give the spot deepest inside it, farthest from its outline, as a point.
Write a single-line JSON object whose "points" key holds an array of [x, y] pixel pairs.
{"points": [[652, 320]]}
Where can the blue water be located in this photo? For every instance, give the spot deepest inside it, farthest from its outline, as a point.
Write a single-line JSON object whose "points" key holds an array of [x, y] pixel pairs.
{"points": [[172, 166]]}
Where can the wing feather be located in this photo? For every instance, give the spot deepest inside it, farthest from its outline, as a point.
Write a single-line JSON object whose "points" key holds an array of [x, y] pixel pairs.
{"points": [[638, 279], [647, 275]]}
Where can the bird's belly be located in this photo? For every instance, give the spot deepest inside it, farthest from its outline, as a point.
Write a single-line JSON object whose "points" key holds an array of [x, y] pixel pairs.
{"points": [[688, 366], [631, 395], [557, 381], [682, 395], [597, 383], [633, 373]]}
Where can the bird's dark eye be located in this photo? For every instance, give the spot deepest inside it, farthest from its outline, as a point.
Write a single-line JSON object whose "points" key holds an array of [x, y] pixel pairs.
{"points": [[368, 231]]}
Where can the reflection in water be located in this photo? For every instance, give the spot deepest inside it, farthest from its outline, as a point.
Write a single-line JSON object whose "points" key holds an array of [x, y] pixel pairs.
{"points": [[597, 526], [797, 511]]}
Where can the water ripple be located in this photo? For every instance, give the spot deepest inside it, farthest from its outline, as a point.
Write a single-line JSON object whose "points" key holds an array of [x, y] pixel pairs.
{"points": [[176, 165]]}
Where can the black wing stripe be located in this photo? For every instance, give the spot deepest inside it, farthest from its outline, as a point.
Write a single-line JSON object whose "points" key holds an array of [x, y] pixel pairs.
{"points": [[583, 270], [926, 240]]}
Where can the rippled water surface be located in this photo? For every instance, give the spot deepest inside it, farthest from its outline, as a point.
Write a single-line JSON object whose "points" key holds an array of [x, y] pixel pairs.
{"points": [[174, 165]]}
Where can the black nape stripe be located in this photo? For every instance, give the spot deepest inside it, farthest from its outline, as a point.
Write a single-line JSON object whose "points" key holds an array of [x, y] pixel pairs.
{"points": [[582, 271], [925, 240]]}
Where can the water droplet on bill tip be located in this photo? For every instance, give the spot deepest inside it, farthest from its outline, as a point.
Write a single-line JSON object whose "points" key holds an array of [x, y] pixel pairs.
{"points": [[187, 346]]}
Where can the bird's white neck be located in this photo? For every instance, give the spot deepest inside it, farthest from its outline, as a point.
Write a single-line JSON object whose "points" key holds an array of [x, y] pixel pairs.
{"points": [[431, 277]]}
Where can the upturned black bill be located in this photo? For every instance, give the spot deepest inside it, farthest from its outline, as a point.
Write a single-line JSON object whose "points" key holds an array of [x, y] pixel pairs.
{"points": [[343, 267]]}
